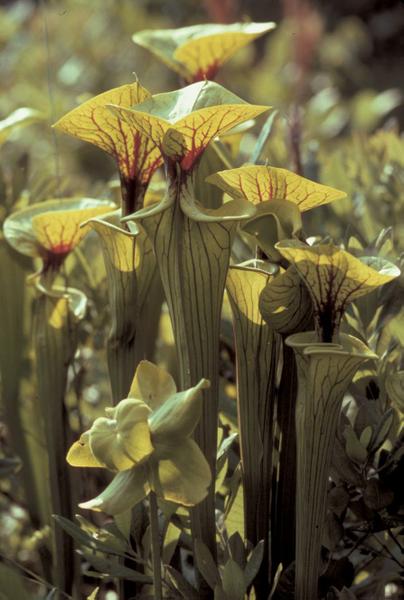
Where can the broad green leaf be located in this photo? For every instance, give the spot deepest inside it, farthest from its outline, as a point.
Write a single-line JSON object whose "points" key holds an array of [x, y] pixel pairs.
{"points": [[136, 155], [182, 123], [182, 474], [152, 384], [197, 52], [325, 371], [257, 183], [257, 354], [88, 539], [233, 580], [122, 440], [178, 415], [17, 120], [12, 584], [181, 584], [113, 568], [395, 388], [254, 563], [52, 227], [125, 490], [353, 447], [206, 564], [334, 278], [131, 269], [285, 302]]}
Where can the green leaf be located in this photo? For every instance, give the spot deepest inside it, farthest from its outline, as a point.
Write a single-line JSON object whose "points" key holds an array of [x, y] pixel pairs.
{"points": [[113, 568], [353, 447], [181, 584], [233, 580], [12, 584], [254, 563], [206, 564], [125, 490], [382, 430], [197, 52], [182, 474], [84, 538], [17, 120]]}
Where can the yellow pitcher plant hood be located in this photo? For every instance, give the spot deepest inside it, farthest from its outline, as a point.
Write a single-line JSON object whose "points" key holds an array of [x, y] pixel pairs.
{"points": [[334, 278], [261, 183], [197, 52], [182, 123], [50, 230], [136, 155]]}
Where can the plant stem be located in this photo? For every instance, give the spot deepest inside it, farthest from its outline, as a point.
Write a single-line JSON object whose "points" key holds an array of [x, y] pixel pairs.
{"points": [[155, 546]]}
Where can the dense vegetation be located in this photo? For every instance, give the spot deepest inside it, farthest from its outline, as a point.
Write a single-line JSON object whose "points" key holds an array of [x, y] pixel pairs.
{"points": [[201, 341]]}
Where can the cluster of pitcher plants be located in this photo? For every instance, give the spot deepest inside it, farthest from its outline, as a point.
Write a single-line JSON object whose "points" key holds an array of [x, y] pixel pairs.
{"points": [[247, 502]]}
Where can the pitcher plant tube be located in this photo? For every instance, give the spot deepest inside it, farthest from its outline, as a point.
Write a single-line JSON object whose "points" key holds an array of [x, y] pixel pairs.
{"points": [[257, 354], [326, 362], [192, 244], [280, 197], [49, 231], [137, 159]]}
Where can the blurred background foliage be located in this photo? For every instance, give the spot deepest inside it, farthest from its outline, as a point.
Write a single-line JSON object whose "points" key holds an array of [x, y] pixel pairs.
{"points": [[331, 71]]}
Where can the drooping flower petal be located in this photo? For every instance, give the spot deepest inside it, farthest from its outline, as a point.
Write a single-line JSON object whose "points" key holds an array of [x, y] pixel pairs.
{"points": [[181, 473], [125, 490]]}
